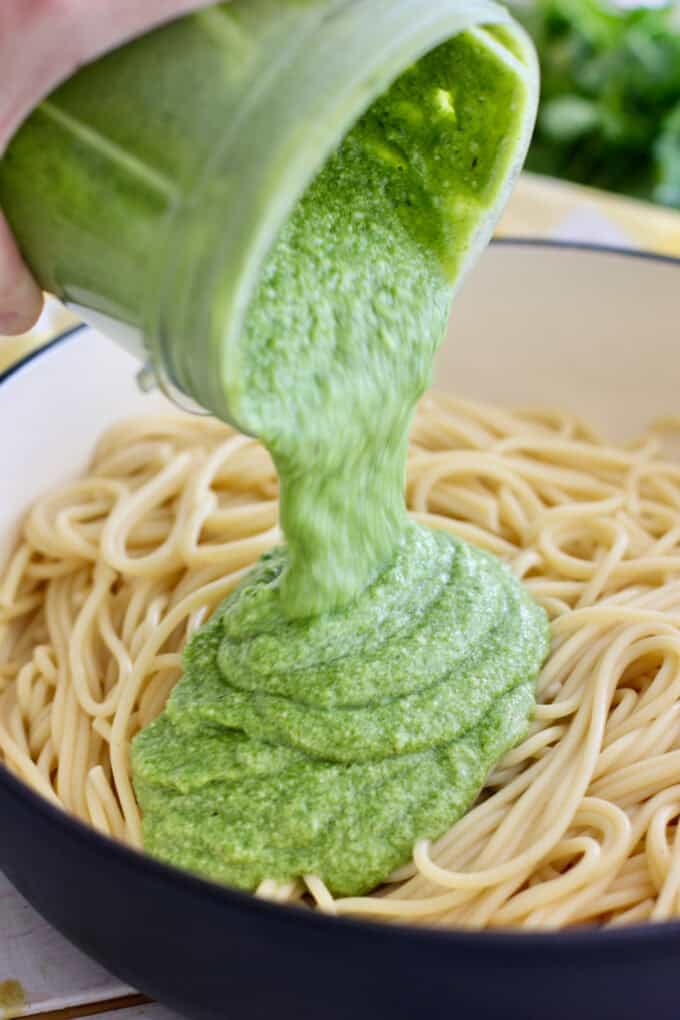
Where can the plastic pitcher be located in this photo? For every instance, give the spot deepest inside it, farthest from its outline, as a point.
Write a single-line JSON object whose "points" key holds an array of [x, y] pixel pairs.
{"points": [[147, 190]]}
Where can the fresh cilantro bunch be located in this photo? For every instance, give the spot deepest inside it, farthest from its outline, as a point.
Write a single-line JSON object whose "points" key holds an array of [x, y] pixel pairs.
{"points": [[610, 106]]}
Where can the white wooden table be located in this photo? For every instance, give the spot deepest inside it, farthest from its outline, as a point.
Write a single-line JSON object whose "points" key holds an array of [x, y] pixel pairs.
{"points": [[41, 973]]}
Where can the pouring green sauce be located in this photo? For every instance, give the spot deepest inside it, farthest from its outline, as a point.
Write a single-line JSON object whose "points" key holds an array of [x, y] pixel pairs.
{"points": [[352, 694]]}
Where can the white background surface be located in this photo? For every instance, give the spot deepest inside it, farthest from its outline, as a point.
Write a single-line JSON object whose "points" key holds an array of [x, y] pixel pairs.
{"points": [[52, 972]]}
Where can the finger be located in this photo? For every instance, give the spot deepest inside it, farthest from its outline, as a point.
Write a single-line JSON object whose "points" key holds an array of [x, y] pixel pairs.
{"points": [[104, 24], [21, 299]]}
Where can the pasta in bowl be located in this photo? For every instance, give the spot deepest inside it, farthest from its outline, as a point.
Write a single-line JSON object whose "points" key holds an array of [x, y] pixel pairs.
{"points": [[575, 826]]}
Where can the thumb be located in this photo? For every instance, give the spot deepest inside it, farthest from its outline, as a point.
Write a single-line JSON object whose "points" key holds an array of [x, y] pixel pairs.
{"points": [[21, 299]]}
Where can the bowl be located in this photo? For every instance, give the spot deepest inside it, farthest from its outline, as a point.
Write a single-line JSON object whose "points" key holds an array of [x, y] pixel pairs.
{"points": [[591, 329]]}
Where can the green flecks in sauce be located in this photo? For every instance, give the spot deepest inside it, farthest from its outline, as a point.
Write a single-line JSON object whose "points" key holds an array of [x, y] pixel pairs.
{"points": [[258, 769], [352, 694], [352, 305]]}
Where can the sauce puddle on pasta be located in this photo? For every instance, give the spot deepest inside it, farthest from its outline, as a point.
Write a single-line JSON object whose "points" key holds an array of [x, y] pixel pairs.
{"points": [[351, 696]]}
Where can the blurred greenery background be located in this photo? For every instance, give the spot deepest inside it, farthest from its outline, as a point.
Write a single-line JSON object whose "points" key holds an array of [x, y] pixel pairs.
{"points": [[610, 104]]}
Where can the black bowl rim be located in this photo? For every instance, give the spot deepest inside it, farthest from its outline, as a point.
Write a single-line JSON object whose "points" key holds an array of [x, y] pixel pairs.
{"points": [[589, 940]]}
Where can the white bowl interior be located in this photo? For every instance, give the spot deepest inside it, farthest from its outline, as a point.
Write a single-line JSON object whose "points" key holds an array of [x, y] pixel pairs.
{"points": [[592, 332], [588, 331]]}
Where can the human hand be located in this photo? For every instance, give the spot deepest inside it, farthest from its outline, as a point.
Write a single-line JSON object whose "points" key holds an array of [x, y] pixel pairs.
{"points": [[43, 42]]}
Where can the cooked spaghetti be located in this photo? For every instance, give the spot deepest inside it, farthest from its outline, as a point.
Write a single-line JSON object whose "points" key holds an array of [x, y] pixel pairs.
{"points": [[578, 824]]}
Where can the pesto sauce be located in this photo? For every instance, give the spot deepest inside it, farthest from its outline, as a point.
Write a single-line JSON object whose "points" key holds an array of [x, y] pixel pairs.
{"points": [[352, 694]]}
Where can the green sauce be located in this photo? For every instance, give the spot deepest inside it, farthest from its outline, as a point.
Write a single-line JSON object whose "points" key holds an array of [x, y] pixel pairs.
{"points": [[351, 696]]}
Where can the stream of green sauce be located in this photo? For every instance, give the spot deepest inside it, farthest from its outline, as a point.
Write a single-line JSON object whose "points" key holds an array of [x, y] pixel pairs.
{"points": [[353, 693]]}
